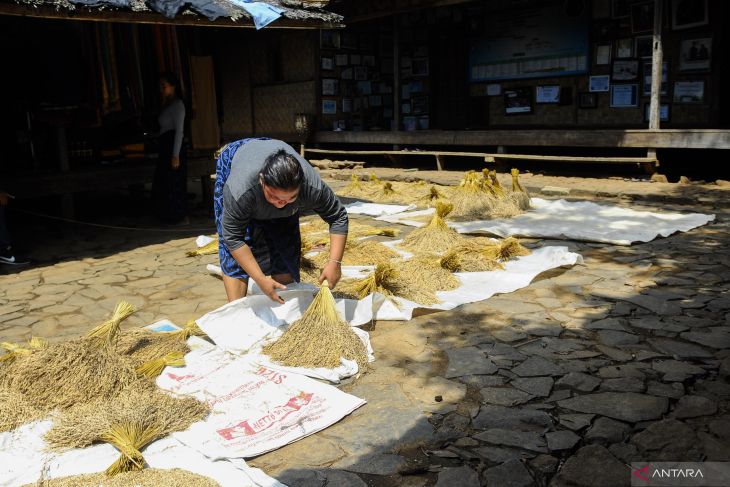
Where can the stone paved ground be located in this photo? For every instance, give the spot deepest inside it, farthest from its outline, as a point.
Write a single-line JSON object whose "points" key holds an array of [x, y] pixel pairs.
{"points": [[565, 382]]}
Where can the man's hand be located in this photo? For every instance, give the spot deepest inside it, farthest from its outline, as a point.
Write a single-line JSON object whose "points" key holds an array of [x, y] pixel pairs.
{"points": [[332, 273], [175, 163], [269, 286]]}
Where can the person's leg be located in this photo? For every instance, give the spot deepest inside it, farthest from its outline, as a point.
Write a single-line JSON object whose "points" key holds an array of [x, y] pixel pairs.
{"points": [[235, 288], [4, 234]]}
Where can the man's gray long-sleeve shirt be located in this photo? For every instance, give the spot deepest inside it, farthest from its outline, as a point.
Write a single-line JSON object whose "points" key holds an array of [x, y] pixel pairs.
{"points": [[243, 197]]}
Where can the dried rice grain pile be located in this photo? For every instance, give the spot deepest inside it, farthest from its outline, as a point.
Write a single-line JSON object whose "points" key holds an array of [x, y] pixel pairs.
{"points": [[68, 373], [384, 279], [436, 236], [15, 410], [149, 477], [142, 403], [319, 338]]}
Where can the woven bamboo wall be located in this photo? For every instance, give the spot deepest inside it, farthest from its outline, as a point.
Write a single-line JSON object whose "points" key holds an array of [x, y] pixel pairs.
{"points": [[275, 106]]}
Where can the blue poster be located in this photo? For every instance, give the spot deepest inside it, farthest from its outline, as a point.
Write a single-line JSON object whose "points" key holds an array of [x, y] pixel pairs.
{"points": [[537, 42]]}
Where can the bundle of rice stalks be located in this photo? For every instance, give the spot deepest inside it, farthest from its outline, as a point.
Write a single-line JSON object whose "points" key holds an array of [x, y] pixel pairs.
{"points": [[207, 249], [149, 477], [142, 403], [434, 196], [471, 198], [359, 252], [416, 279], [468, 256], [105, 334], [129, 439], [68, 373], [15, 411], [319, 338], [505, 250], [153, 368], [384, 280], [520, 195], [436, 236], [140, 345]]}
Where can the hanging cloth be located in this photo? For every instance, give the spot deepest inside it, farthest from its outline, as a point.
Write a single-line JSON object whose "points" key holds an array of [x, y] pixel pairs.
{"points": [[262, 13]]}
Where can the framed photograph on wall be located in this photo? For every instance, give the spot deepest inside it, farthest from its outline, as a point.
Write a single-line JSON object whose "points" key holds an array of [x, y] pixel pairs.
{"points": [[327, 63], [517, 101], [347, 105], [329, 107], [625, 70], [419, 66], [646, 90], [587, 100], [419, 105], [547, 94], [695, 54], [494, 89], [624, 96], [598, 84], [643, 47], [347, 73], [642, 17], [689, 13], [689, 91], [341, 59], [603, 54], [330, 86], [620, 9], [663, 112], [361, 73], [625, 48]]}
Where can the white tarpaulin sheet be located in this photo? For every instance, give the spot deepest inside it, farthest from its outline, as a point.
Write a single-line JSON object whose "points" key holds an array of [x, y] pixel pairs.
{"points": [[375, 209], [254, 408], [475, 286], [24, 459], [574, 220]]}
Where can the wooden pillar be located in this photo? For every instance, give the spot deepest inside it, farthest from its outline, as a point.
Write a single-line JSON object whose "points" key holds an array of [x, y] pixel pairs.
{"points": [[396, 77], [656, 76]]}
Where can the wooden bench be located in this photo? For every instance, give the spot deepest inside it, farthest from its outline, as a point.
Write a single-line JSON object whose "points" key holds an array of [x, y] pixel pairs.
{"points": [[648, 163]]}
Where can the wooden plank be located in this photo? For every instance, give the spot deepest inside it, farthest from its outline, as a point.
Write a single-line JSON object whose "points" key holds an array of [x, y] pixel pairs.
{"points": [[615, 160], [638, 138], [108, 15], [439, 162], [656, 68], [398, 152]]}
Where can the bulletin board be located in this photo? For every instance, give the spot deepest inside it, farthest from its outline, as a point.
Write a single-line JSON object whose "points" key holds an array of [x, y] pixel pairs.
{"points": [[537, 42]]}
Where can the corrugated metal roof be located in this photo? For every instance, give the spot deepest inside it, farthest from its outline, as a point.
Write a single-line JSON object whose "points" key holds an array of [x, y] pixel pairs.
{"points": [[297, 10]]}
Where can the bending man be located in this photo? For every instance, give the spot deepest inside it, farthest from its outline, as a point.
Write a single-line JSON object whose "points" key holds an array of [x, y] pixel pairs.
{"points": [[261, 189]]}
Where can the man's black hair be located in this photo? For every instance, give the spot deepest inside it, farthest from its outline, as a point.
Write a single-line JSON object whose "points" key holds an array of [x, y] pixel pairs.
{"points": [[282, 170]]}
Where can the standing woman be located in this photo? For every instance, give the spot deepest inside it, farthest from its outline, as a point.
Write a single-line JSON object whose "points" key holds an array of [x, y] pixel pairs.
{"points": [[169, 188]]}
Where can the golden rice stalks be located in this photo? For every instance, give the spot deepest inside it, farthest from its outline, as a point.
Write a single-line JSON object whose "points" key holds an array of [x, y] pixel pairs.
{"points": [[320, 238], [153, 368], [105, 333], [141, 403], [149, 477], [190, 329], [12, 352], [496, 187], [374, 179], [139, 345], [37, 343], [207, 249], [319, 338], [15, 410], [355, 184], [68, 373], [359, 252], [436, 236], [434, 195], [519, 195], [469, 256], [384, 280], [416, 279], [129, 439], [505, 250]]}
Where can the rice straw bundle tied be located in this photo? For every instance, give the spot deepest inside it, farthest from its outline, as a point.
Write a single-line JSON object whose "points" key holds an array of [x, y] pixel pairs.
{"points": [[106, 333], [153, 368]]}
